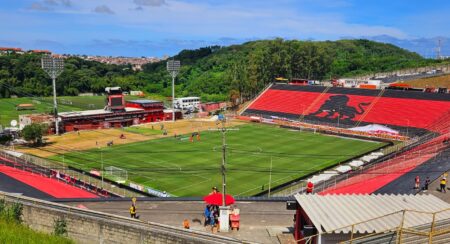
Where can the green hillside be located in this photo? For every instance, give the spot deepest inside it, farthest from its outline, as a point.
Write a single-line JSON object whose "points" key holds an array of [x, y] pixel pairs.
{"points": [[215, 73]]}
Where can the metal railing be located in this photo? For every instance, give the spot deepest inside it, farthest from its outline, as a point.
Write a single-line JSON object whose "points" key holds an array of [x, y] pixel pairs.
{"points": [[29, 162], [429, 227]]}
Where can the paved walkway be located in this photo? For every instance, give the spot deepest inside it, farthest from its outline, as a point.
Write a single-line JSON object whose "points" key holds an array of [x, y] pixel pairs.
{"points": [[434, 190], [260, 221]]}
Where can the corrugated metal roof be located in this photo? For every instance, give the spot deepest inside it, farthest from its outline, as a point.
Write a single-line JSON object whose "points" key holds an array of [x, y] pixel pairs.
{"points": [[334, 212], [144, 101]]}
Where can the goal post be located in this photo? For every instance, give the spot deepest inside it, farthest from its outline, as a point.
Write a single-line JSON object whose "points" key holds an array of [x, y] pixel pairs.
{"points": [[117, 174]]}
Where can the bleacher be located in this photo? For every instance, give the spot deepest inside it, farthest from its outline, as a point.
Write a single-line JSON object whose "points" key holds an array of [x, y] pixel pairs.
{"points": [[424, 116], [379, 175], [412, 112]]}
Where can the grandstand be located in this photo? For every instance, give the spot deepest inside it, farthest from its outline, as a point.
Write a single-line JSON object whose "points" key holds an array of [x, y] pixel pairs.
{"points": [[423, 117], [27, 178], [408, 112]]}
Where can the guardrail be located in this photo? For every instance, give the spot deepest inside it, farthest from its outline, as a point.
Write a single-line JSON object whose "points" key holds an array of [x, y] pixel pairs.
{"points": [[114, 188]]}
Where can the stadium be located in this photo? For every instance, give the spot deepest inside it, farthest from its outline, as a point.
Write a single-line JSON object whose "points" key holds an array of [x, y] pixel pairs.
{"points": [[340, 140]]}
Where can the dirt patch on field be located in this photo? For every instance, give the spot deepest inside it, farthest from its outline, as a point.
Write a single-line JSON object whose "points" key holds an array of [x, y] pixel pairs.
{"points": [[83, 141], [437, 81], [189, 126], [99, 138]]}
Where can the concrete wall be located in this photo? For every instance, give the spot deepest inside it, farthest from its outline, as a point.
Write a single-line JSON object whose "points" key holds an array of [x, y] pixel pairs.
{"points": [[85, 226]]}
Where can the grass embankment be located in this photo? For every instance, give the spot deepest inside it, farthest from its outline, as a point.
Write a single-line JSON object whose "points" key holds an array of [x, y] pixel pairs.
{"points": [[12, 232], [186, 168]]}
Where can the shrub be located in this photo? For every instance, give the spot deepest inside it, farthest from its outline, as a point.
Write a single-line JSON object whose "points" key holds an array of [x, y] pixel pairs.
{"points": [[60, 226]]}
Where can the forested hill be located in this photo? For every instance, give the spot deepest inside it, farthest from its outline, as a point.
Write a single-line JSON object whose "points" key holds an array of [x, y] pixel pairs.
{"points": [[243, 70], [215, 73]]}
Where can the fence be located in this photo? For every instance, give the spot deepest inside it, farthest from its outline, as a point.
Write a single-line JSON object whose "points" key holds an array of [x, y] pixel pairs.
{"points": [[43, 166], [389, 153]]}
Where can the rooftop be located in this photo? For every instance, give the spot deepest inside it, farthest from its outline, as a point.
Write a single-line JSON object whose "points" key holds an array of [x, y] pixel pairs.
{"points": [[375, 213], [94, 112], [144, 101]]}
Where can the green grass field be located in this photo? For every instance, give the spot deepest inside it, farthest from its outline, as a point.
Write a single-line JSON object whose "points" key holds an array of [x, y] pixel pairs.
{"points": [[8, 110], [185, 168]]}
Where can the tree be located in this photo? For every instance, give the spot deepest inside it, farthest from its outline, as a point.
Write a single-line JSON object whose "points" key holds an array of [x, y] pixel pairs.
{"points": [[4, 139], [34, 133]]}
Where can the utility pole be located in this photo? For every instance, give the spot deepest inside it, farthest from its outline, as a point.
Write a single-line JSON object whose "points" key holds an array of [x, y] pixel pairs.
{"points": [[438, 50], [173, 66], [224, 216], [101, 161], [270, 175], [54, 66]]}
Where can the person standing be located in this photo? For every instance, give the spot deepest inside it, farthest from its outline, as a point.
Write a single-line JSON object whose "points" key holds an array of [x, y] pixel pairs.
{"points": [[417, 182], [443, 184], [207, 214], [309, 187], [427, 183], [133, 211]]}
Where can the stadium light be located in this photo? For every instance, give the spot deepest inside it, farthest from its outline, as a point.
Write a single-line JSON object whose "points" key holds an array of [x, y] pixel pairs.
{"points": [[53, 66], [173, 66]]}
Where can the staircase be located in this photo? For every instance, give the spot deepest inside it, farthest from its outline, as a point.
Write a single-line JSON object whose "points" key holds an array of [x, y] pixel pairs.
{"points": [[318, 98], [372, 104]]}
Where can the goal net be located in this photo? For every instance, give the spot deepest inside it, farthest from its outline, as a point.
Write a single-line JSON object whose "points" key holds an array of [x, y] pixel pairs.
{"points": [[117, 174]]}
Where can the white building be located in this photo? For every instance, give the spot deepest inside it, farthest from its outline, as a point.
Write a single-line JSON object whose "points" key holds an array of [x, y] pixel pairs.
{"points": [[186, 103]]}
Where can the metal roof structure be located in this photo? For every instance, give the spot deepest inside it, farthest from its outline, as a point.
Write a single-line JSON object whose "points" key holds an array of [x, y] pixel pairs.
{"points": [[370, 213], [144, 101], [94, 112]]}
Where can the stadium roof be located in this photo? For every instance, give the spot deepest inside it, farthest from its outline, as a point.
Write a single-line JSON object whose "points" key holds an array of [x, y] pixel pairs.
{"points": [[94, 112], [144, 101], [331, 213]]}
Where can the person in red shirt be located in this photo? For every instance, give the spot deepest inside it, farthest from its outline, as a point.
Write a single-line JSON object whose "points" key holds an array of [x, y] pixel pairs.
{"points": [[417, 182], [309, 187]]}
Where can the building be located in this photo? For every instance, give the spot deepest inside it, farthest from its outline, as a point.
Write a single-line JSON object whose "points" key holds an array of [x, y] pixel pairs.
{"points": [[101, 118], [168, 114], [213, 106], [28, 119], [40, 51], [336, 218], [10, 50], [154, 109], [187, 103]]}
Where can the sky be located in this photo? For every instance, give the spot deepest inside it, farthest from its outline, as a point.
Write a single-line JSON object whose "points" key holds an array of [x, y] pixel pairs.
{"points": [[165, 27]]}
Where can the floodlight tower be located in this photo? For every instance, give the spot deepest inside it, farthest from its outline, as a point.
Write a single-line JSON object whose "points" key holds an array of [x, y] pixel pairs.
{"points": [[54, 66], [173, 66]]}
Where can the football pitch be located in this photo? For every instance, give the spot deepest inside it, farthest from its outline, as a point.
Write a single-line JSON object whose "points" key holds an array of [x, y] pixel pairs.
{"points": [[255, 154]]}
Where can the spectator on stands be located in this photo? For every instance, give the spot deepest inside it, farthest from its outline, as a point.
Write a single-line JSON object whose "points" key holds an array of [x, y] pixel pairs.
{"points": [[443, 184], [417, 182], [427, 183]]}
